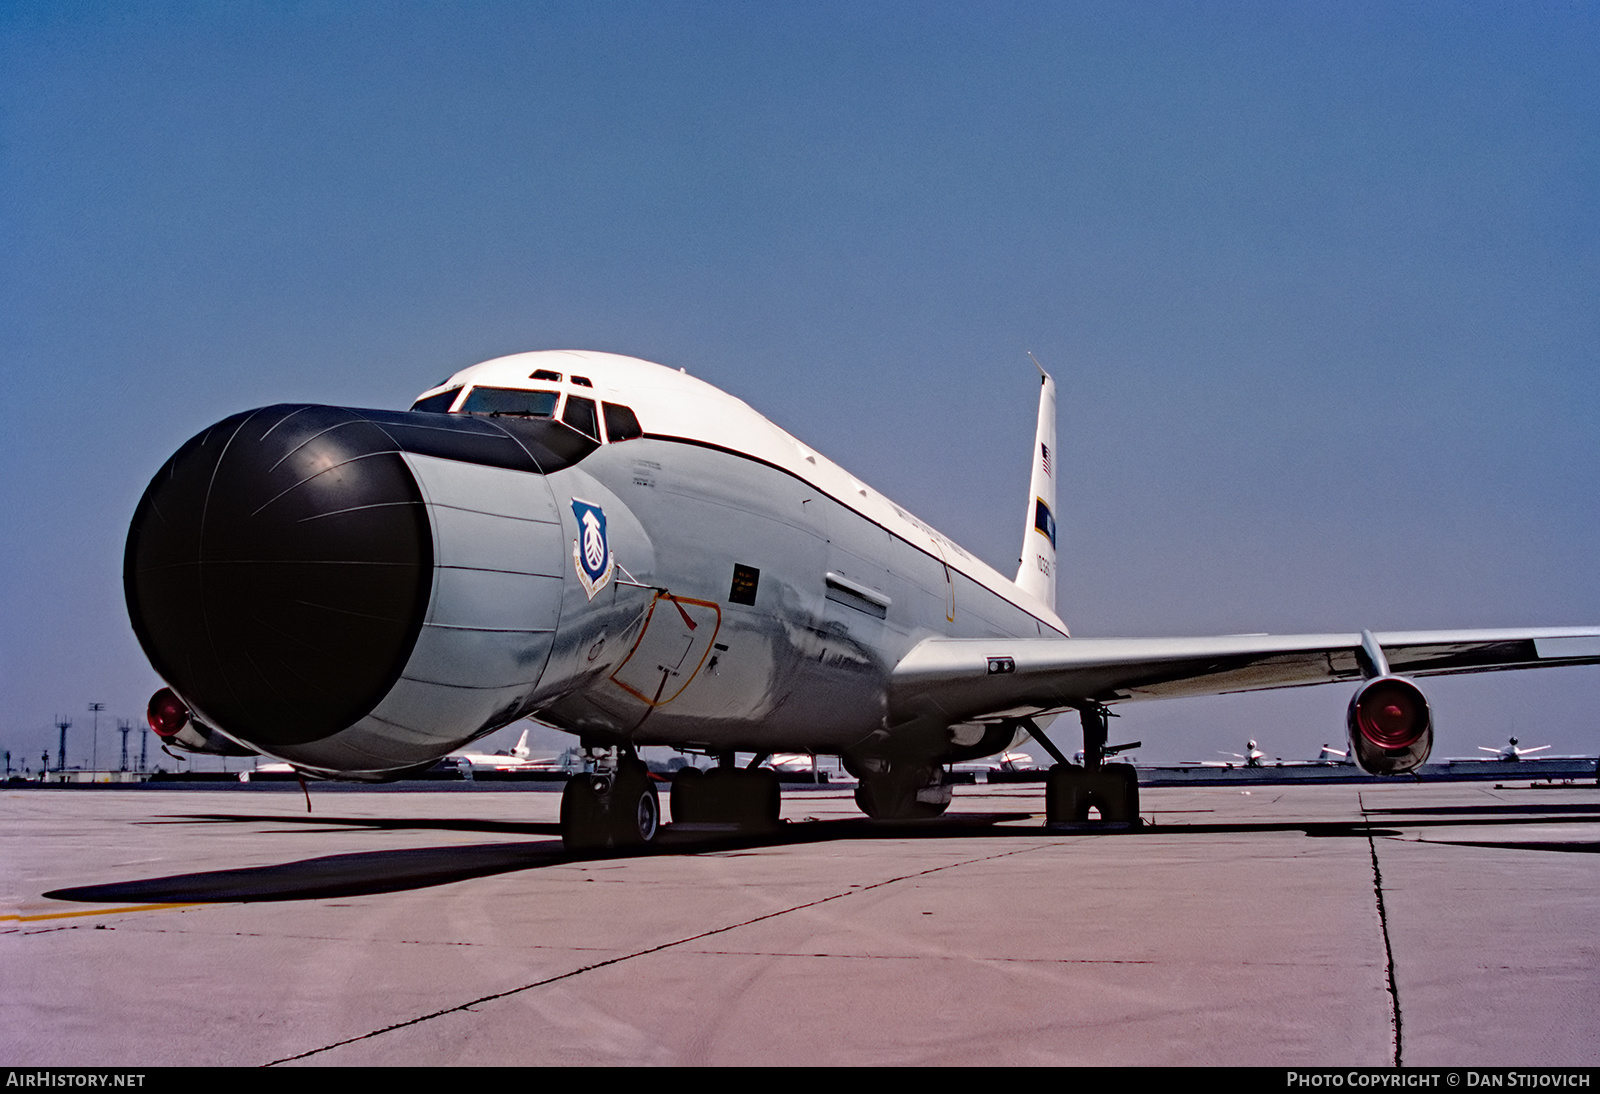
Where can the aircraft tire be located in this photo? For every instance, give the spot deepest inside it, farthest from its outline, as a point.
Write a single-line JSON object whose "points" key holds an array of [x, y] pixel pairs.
{"points": [[1118, 793], [635, 807], [688, 796], [752, 800], [887, 797], [868, 795], [584, 824], [762, 801], [1067, 795], [715, 798]]}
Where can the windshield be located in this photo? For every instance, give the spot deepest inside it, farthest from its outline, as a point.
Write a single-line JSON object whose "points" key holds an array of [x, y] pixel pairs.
{"points": [[437, 404], [504, 400]]}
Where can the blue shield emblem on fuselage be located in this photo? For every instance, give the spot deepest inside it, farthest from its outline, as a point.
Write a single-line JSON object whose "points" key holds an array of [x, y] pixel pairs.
{"points": [[591, 551]]}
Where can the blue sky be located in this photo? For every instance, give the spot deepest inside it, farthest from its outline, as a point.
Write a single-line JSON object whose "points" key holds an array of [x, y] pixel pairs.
{"points": [[1320, 285]]}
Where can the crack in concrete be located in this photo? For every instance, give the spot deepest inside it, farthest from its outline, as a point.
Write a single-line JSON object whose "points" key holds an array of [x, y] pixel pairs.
{"points": [[1395, 1024], [471, 1004]]}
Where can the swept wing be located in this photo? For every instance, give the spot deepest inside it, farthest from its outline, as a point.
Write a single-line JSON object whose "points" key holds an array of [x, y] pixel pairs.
{"points": [[953, 680]]}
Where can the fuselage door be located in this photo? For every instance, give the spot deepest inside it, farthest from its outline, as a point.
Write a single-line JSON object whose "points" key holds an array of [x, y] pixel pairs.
{"points": [[672, 645]]}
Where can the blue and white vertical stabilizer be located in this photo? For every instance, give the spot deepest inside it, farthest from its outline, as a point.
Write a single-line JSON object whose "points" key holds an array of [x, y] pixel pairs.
{"points": [[1037, 574]]}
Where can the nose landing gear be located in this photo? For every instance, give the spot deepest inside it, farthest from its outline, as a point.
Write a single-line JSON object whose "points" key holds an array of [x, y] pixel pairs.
{"points": [[616, 807]]}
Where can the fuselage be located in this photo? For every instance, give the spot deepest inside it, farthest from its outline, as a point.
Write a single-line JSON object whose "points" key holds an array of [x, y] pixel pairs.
{"points": [[659, 565]]}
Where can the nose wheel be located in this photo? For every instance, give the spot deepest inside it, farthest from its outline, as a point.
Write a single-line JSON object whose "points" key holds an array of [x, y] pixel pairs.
{"points": [[615, 810]]}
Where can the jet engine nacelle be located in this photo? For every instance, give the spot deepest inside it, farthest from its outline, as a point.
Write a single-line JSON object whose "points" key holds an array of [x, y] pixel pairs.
{"points": [[172, 721], [1391, 728]]}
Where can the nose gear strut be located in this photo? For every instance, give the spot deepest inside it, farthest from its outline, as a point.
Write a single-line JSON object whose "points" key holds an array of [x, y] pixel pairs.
{"points": [[615, 806]]}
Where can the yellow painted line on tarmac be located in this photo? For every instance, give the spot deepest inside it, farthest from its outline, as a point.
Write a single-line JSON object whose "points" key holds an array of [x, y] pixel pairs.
{"points": [[96, 911]]}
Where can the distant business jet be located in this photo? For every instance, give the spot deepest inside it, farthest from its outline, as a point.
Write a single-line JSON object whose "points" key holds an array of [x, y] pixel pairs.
{"points": [[1253, 757], [633, 556], [1511, 752]]}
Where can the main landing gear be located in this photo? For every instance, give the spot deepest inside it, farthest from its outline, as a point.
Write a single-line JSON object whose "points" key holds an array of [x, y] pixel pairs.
{"points": [[615, 807], [747, 798], [1071, 791], [889, 790]]}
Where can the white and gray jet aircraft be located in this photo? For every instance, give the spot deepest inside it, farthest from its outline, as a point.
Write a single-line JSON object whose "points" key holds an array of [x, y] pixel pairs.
{"points": [[633, 556]]}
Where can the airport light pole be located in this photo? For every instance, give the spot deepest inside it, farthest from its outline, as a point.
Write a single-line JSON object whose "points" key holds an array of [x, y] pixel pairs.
{"points": [[94, 748], [124, 727], [63, 724]]}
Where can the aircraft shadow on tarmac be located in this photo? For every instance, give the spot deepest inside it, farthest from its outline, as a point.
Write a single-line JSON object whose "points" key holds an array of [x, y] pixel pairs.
{"points": [[365, 873]]}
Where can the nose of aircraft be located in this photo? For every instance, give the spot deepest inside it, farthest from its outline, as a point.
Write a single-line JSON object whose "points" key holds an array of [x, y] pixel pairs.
{"points": [[278, 570]]}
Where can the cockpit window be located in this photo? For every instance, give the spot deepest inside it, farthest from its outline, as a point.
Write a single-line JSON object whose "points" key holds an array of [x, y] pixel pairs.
{"points": [[545, 374], [504, 400], [621, 424], [581, 381], [437, 404], [580, 416]]}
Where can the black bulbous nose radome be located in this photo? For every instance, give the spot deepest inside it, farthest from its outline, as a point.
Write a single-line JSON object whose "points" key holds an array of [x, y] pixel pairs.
{"points": [[278, 571]]}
